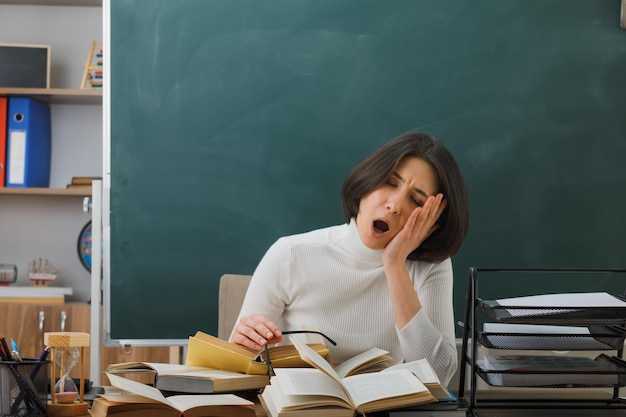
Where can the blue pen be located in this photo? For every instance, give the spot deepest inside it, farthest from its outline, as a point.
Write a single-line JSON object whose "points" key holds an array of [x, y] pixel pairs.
{"points": [[15, 352]]}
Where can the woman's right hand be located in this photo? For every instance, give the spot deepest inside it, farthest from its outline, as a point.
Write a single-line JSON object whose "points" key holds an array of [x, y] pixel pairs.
{"points": [[255, 331]]}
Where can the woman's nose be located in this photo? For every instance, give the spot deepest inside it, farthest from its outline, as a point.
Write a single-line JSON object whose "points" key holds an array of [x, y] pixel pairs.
{"points": [[393, 204]]}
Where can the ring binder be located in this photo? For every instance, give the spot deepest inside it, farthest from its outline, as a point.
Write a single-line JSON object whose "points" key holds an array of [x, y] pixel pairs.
{"points": [[28, 143]]}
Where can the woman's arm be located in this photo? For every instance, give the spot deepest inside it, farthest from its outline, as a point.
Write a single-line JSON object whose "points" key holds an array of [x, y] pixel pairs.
{"points": [[430, 333], [419, 225], [264, 302]]}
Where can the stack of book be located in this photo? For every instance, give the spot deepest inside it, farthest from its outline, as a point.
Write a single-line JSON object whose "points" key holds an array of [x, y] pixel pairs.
{"points": [[82, 182], [192, 379], [140, 399], [366, 383]]}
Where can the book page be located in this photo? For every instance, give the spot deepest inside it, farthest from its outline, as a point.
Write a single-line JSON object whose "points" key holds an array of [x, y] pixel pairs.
{"points": [[275, 399], [128, 398], [314, 359], [179, 402], [421, 368], [370, 387], [347, 367], [185, 402], [136, 388], [308, 382]]}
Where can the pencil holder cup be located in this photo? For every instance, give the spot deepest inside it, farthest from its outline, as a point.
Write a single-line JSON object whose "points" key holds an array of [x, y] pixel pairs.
{"points": [[20, 394]]}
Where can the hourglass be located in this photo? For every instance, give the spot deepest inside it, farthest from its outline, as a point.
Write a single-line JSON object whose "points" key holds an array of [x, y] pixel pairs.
{"points": [[65, 389], [67, 349]]}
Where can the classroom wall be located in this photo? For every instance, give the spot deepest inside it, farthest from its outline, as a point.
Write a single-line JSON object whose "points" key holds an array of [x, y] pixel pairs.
{"points": [[48, 227]]}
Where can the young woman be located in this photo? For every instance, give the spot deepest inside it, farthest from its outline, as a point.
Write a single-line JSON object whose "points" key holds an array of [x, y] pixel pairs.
{"points": [[383, 279]]}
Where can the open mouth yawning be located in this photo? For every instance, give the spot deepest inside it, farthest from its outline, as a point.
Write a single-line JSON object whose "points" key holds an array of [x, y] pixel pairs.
{"points": [[381, 226]]}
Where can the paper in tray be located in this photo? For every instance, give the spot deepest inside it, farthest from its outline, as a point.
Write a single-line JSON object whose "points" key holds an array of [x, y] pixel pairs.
{"points": [[562, 308], [550, 337], [610, 372]]}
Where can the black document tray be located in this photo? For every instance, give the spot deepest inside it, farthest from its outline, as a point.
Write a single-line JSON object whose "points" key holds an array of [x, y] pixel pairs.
{"points": [[553, 315], [613, 375], [600, 337]]}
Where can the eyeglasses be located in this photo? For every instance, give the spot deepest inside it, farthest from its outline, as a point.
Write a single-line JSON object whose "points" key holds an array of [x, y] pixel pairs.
{"points": [[270, 369]]}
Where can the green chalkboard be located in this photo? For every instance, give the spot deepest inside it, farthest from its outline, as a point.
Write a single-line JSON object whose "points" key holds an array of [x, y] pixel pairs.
{"points": [[234, 122]]}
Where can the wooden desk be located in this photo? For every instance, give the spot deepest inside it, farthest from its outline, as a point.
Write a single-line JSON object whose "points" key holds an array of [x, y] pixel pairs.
{"points": [[512, 413], [504, 412]]}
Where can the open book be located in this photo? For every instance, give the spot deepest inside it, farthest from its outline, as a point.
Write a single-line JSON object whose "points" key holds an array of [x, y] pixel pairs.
{"points": [[321, 390], [142, 399], [212, 352], [192, 379], [425, 373]]}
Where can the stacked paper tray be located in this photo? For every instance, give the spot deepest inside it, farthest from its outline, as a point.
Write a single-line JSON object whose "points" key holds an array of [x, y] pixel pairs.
{"points": [[559, 338], [611, 372], [575, 308]]}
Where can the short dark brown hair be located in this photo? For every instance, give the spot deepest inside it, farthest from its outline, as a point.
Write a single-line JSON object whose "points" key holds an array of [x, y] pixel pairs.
{"points": [[374, 170]]}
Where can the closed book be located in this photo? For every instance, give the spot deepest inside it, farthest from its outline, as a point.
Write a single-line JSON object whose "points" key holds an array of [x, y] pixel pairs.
{"points": [[212, 352], [28, 140], [192, 379], [83, 180]]}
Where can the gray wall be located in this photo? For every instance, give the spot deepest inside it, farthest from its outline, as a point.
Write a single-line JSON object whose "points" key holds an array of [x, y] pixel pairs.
{"points": [[48, 227]]}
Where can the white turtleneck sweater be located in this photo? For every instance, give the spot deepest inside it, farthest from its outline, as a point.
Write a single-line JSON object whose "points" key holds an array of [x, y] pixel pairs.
{"points": [[329, 279]]}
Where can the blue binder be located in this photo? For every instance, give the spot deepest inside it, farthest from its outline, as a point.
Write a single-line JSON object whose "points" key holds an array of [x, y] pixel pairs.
{"points": [[28, 143]]}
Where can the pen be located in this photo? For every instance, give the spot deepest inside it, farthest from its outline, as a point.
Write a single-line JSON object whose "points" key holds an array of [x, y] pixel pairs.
{"points": [[6, 352], [3, 355], [15, 352]]}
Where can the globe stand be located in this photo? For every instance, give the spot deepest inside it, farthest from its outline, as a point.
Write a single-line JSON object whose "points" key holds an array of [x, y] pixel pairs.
{"points": [[64, 358]]}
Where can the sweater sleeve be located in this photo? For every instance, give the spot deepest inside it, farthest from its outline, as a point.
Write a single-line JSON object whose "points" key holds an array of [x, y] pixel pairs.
{"points": [[266, 294], [430, 333]]}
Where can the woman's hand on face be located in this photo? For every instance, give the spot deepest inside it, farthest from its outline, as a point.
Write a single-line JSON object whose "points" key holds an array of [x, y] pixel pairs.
{"points": [[255, 331], [422, 222]]}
